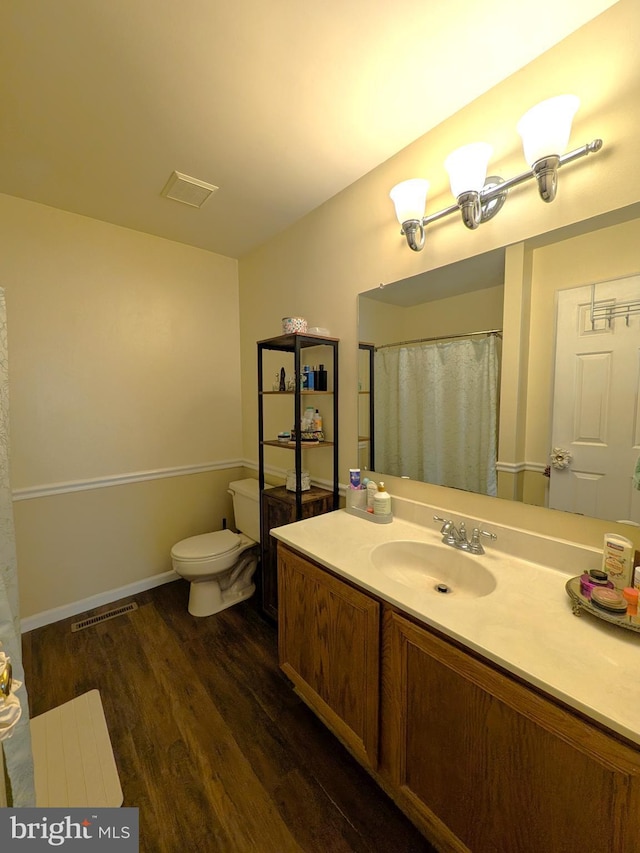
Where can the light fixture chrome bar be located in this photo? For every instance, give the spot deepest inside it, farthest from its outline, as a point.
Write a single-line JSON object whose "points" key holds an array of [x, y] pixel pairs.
{"points": [[496, 191]]}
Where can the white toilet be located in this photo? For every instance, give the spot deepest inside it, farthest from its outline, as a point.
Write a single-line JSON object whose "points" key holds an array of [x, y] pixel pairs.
{"points": [[220, 565]]}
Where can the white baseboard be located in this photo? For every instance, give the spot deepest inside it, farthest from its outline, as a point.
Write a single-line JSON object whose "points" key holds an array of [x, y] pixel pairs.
{"points": [[57, 614]]}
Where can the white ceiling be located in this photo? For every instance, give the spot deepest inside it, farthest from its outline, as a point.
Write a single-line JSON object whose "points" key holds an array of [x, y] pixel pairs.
{"points": [[280, 104]]}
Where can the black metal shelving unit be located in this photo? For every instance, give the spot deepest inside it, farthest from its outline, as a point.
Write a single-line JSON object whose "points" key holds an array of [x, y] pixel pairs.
{"points": [[370, 350], [279, 505], [296, 344]]}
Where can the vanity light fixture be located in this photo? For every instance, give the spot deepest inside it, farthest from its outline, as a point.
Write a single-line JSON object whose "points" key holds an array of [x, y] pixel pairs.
{"points": [[545, 131]]}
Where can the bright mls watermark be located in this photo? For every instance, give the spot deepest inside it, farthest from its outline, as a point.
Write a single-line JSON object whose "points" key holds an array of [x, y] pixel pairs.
{"points": [[80, 830]]}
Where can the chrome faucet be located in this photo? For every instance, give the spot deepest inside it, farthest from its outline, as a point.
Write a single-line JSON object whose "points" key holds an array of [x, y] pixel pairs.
{"points": [[457, 537]]}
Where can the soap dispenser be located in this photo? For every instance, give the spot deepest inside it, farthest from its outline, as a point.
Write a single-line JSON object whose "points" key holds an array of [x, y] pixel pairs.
{"points": [[382, 501]]}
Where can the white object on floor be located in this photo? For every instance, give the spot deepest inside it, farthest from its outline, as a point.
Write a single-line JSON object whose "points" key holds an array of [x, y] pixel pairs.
{"points": [[72, 756]]}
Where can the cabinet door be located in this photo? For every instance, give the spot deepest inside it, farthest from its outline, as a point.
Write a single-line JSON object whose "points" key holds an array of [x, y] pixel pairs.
{"points": [[328, 645], [484, 763]]}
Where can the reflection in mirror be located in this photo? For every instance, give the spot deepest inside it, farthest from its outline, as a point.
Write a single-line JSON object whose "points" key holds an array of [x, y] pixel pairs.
{"points": [[435, 340], [595, 429], [604, 252]]}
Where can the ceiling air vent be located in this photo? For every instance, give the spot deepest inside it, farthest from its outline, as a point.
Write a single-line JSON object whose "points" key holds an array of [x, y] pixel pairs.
{"points": [[188, 190]]}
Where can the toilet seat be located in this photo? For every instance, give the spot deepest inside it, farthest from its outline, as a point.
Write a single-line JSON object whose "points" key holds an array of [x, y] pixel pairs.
{"points": [[207, 545]]}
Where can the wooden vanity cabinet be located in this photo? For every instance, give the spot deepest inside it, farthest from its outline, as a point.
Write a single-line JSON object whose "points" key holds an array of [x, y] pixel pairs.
{"points": [[329, 646], [476, 759], [483, 763]]}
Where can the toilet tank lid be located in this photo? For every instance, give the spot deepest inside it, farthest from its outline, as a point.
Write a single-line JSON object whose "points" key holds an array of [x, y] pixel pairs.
{"points": [[206, 545], [249, 487]]}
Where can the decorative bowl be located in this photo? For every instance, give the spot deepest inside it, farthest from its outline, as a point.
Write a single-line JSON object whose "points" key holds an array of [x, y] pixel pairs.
{"points": [[294, 326]]}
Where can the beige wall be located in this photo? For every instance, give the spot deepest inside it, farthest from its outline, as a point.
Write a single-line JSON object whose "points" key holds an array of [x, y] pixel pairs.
{"points": [[123, 363], [350, 244]]}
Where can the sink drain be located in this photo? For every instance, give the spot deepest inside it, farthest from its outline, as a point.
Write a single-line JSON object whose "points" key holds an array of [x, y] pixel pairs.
{"points": [[443, 588]]}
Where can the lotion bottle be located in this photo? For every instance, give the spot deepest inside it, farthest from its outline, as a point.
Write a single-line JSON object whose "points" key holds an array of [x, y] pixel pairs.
{"points": [[382, 501], [617, 560]]}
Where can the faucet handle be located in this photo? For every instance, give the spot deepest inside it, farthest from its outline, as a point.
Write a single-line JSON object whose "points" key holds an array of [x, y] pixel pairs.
{"points": [[475, 546], [446, 524], [486, 533], [448, 530]]}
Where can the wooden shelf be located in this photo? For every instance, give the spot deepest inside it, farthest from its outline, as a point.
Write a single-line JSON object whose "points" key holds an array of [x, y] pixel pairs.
{"points": [[291, 445], [303, 393], [287, 343]]}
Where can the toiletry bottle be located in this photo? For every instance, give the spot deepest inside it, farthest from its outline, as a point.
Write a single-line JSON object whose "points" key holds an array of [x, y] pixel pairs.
{"points": [[322, 378], [317, 421], [354, 478], [636, 577], [382, 501], [372, 488], [617, 559]]}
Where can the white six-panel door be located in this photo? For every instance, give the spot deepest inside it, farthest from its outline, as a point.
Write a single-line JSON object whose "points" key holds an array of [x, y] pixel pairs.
{"points": [[596, 403]]}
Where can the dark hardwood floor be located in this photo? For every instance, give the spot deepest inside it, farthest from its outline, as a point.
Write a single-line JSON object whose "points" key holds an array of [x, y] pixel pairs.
{"points": [[211, 743]]}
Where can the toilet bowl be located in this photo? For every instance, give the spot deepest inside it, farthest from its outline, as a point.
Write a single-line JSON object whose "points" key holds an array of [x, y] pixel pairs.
{"points": [[220, 565]]}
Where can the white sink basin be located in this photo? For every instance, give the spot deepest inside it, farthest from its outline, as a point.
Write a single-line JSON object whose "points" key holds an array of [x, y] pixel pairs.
{"points": [[445, 571]]}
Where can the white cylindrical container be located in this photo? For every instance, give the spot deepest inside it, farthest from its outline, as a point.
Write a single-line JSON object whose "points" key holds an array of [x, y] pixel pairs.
{"points": [[372, 489], [382, 501], [617, 560]]}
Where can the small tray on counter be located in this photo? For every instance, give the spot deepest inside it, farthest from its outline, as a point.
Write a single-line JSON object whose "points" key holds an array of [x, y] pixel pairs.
{"points": [[580, 603]]}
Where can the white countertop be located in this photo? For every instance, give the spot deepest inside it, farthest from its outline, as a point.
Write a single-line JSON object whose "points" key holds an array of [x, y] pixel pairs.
{"points": [[526, 625]]}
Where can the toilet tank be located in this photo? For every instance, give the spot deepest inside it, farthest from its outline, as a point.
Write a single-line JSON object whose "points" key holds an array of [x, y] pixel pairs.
{"points": [[246, 507]]}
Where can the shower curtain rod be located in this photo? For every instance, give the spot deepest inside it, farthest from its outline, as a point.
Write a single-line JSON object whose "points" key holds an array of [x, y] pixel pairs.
{"points": [[497, 332]]}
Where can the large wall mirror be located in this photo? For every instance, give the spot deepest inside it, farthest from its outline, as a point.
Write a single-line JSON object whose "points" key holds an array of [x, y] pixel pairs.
{"points": [[451, 325]]}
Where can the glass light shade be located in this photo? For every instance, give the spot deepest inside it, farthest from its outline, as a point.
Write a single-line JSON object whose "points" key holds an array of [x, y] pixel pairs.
{"points": [[410, 199], [467, 167], [545, 128]]}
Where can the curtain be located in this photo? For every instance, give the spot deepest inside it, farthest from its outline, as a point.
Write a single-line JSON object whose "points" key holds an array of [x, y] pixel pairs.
{"points": [[436, 413], [17, 748]]}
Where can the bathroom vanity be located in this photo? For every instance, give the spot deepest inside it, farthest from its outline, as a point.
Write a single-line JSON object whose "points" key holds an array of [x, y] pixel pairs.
{"points": [[494, 717]]}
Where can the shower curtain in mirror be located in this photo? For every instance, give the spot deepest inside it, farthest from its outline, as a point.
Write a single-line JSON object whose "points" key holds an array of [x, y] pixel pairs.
{"points": [[17, 748], [436, 412]]}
